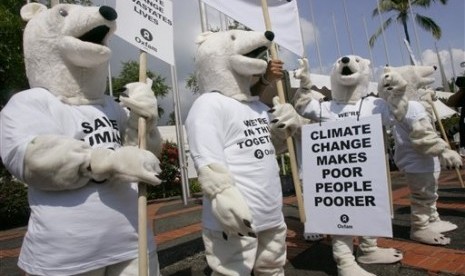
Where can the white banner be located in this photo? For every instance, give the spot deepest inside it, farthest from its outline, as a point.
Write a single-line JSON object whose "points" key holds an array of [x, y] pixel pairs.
{"points": [[284, 17], [345, 183], [148, 25]]}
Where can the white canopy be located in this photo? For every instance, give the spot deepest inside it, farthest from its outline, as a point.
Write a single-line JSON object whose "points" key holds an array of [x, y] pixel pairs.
{"points": [[322, 84]]}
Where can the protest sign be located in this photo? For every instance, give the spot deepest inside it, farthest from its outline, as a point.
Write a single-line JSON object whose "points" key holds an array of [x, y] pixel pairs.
{"points": [[345, 181], [148, 25]]}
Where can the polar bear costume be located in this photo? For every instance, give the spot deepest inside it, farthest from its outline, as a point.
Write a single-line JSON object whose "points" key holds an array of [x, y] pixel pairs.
{"points": [[419, 151], [349, 89], [231, 134], [64, 138]]}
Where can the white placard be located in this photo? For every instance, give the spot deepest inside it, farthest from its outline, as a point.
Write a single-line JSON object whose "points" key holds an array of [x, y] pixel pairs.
{"points": [[345, 183], [148, 25]]}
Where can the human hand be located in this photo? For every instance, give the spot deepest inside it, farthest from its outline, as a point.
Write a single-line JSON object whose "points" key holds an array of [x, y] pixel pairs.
{"points": [[274, 70]]}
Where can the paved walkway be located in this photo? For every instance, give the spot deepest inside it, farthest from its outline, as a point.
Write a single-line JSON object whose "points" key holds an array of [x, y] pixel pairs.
{"points": [[177, 228]]}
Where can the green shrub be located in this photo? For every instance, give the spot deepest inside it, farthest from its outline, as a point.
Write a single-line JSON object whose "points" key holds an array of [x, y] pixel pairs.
{"points": [[14, 207], [194, 186], [170, 175]]}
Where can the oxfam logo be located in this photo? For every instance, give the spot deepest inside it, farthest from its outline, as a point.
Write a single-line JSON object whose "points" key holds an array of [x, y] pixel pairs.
{"points": [[344, 218], [146, 34]]}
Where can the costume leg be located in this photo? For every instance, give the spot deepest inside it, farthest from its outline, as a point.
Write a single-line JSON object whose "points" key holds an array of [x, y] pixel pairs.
{"points": [[344, 257], [271, 252], [370, 253], [422, 199], [435, 222], [234, 256]]}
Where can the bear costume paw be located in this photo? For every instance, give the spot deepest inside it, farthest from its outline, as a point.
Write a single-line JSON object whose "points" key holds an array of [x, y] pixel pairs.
{"points": [[286, 119], [303, 74], [228, 204], [441, 226], [128, 163], [450, 159], [353, 270], [140, 99], [428, 236], [380, 256]]}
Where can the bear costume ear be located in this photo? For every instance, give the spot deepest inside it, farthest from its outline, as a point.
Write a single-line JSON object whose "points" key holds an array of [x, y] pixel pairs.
{"points": [[28, 11], [202, 37]]}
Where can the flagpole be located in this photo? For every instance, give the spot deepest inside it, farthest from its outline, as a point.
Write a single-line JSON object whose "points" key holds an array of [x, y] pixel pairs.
{"points": [[382, 33], [203, 16], [142, 187], [348, 27], [452, 65], [180, 137], [410, 51], [316, 38], [400, 43], [369, 48], [290, 142], [337, 37], [415, 31], [445, 84]]}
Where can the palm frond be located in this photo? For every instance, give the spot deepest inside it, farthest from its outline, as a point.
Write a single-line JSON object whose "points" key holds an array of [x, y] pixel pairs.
{"points": [[379, 31], [429, 25]]}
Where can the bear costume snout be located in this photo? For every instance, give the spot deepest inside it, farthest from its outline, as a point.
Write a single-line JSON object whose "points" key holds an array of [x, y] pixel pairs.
{"points": [[97, 35]]}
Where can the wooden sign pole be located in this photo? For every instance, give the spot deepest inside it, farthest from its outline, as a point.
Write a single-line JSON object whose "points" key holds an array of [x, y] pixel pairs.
{"points": [[290, 142], [142, 187]]}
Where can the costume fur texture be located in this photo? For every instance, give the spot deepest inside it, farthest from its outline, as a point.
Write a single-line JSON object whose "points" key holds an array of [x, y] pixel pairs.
{"points": [[237, 175], [349, 85], [414, 83], [74, 146], [231, 60], [417, 142], [59, 53], [349, 79]]}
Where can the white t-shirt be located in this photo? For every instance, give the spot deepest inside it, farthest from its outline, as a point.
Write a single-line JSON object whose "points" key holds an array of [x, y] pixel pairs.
{"points": [[236, 134], [406, 157], [331, 111], [78, 230]]}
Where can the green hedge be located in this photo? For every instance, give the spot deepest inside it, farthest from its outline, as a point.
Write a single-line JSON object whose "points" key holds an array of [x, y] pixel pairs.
{"points": [[14, 208]]}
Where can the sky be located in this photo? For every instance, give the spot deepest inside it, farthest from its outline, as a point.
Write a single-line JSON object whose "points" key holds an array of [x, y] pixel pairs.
{"points": [[330, 29]]}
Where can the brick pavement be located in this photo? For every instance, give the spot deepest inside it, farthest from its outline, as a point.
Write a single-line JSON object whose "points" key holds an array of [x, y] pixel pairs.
{"points": [[432, 259]]}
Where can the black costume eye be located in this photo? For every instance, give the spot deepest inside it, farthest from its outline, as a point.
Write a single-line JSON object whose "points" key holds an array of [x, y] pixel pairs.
{"points": [[233, 37], [63, 12]]}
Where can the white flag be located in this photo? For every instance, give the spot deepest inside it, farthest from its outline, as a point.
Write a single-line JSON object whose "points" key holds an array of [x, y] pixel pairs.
{"points": [[284, 17]]}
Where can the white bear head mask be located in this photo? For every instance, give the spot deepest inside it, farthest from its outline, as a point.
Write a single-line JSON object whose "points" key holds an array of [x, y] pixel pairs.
{"points": [[350, 77], [226, 61], [65, 50]]}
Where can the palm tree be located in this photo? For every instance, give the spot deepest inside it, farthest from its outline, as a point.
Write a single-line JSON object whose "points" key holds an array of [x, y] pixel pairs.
{"points": [[402, 8]]}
